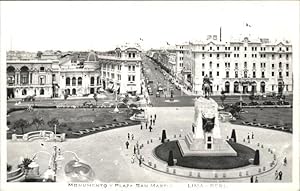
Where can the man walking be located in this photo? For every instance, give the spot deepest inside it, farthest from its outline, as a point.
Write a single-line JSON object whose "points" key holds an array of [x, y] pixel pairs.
{"points": [[141, 126], [132, 136], [280, 175], [128, 136], [256, 180], [150, 128], [127, 144], [251, 179], [154, 116], [276, 175]]}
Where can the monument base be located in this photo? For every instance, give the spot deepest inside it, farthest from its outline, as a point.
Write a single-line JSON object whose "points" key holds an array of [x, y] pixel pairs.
{"points": [[197, 147]]}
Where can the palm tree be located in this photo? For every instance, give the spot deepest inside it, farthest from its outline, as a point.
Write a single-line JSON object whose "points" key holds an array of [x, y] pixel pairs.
{"points": [[21, 124], [52, 123], [37, 122]]}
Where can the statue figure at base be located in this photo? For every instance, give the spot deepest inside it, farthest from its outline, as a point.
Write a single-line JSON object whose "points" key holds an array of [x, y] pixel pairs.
{"points": [[206, 87]]}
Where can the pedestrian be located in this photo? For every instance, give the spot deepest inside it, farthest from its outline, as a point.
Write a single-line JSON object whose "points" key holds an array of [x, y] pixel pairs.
{"points": [[153, 122], [127, 144], [248, 137], [141, 127], [150, 117], [276, 175], [140, 161], [150, 122], [128, 136], [134, 150], [280, 175], [252, 135], [132, 159], [150, 128], [284, 161], [154, 116], [251, 179], [146, 124], [256, 180], [132, 136]]}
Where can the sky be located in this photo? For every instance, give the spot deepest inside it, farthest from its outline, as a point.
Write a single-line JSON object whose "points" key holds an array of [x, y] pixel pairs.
{"points": [[94, 25]]}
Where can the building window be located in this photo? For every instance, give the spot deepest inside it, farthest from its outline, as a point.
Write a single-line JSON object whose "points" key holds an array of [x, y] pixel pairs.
{"points": [[202, 47], [218, 55], [245, 74], [203, 65], [133, 55], [225, 48], [92, 81], [210, 48], [253, 65], [280, 74], [210, 65], [272, 48], [217, 73], [245, 55], [42, 80], [73, 81], [217, 48], [203, 55], [245, 48], [210, 74], [24, 92], [42, 69], [245, 64], [280, 65], [272, 73], [254, 75], [79, 81], [272, 87], [53, 77], [119, 77], [263, 74], [287, 74], [227, 74], [236, 74], [129, 55], [129, 68], [133, 68], [273, 66], [218, 65], [202, 73], [68, 81], [236, 65], [210, 55], [279, 55], [287, 66], [42, 92]]}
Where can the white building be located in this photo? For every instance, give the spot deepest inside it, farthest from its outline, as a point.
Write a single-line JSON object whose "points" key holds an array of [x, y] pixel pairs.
{"points": [[73, 75], [241, 65]]}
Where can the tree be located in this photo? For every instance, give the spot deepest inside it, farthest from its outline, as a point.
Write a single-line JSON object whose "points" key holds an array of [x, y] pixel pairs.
{"points": [[233, 135], [21, 124], [39, 54], [171, 159], [37, 122], [95, 98], [52, 123], [163, 136], [256, 158], [223, 97]]}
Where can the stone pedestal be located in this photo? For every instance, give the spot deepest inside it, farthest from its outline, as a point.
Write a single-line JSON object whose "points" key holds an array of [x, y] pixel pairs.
{"points": [[204, 141]]}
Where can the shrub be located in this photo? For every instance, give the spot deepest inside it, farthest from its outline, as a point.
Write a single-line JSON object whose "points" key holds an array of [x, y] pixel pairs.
{"points": [[163, 136], [233, 135], [256, 158], [9, 167], [171, 159]]}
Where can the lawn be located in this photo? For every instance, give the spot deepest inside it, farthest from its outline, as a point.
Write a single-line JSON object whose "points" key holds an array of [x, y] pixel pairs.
{"points": [[274, 116], [209, 162], [75, 119]]}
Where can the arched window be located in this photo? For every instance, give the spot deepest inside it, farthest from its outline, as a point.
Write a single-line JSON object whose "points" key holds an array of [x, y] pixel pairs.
{"points": [[10, 75], [79, 81], [262, 87], [67, 81], [236, 87], [42, 92], [73, 81], [24, 75], [227, 87], [73, 91], [24, 92], [253, 90]]}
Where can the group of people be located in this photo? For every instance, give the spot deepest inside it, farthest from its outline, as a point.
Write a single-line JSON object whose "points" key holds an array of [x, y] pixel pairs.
{"points": [[253, 180], [278, 175], [149, 124]]}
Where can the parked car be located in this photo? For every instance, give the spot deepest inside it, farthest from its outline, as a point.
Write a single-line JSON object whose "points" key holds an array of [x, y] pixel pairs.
{"points": [[268, 103], [253, 103]]}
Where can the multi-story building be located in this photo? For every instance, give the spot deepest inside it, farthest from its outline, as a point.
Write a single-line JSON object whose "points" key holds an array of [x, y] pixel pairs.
{"points": [[75, 74], [242, 65]]}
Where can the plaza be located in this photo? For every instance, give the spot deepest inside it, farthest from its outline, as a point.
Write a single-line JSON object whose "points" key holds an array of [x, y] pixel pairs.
{"points": [[106, 153]]}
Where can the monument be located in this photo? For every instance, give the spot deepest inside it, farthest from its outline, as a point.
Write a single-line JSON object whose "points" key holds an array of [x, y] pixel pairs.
{"points": [[205, 138]]}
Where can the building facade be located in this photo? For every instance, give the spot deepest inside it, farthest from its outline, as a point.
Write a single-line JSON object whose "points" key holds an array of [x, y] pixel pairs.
{"points": [[241, 66], [76, 75]]}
